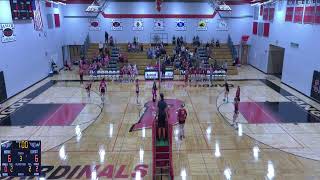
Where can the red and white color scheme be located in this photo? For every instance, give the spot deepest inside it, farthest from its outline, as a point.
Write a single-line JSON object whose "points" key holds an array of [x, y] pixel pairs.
{"points": [[290, 10]]}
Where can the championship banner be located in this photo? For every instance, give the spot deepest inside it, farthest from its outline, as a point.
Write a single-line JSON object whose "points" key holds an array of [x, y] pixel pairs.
{"points": [[7, 33], [94, 25], [271, 12], [255, 28], [222, 25], [290, 10], [260, 28], [256, 13], [181, 25], [37, 21], [298, 11], [138, 25], [266, 13], [116, 25], [202, 25], [315, 88], [309, 12], [158, 25]]}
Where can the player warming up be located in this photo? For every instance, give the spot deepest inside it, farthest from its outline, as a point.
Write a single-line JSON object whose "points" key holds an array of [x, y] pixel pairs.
{"points": [[137, 90], [103, 89], [226, 92], [236, 113], [88, 88], [154, 91], [182, 116]]}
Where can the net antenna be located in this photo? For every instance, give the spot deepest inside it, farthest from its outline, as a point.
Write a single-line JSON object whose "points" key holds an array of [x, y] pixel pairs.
{"points": [[221, 8], [96, 7]]}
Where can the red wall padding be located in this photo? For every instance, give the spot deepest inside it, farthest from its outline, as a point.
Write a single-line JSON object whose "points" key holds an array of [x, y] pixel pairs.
{"points": [[266, 27], [255, 28], [57, 20]]}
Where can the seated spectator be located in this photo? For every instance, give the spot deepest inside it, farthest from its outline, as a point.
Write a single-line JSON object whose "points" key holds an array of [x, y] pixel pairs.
{"points": [[174, 40], [217, 44], [67, 66], [141, 47], [54, 68], [100, 47], [111, 41]]}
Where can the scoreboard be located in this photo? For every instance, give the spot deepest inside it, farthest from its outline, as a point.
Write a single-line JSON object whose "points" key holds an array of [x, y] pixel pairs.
{"points": [[21, 9], [20, 158]]}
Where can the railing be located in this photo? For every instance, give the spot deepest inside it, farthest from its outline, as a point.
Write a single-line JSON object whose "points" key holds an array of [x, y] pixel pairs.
{"points": [[232, 48], [85, 46]]}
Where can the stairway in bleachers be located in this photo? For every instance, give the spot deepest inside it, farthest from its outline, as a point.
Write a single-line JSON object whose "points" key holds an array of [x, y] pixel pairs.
{"points": [[221, 54]]}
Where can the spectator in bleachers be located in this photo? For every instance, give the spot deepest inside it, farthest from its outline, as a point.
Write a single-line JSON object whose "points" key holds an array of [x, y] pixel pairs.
{"points": [[217, 44], [100, 47], [174, 40], [141, 47], [111, 41], [225, 66]]}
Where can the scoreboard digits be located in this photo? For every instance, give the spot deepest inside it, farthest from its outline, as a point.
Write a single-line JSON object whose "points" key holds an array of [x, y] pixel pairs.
{"points": [[21, 9], [20, 158]]}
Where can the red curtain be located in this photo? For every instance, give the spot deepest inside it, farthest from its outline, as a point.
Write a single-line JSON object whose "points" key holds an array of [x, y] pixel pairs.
{"points": [[309, 15], [266, 27], [255, 28], [265, 14], [317, 19], [57, 20], [298, 12]]}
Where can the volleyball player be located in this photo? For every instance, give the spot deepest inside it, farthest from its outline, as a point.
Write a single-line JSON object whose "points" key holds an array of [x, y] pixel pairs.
{"points": [[182, 116], [236, 112], [137, 90], [226, 92], [103, 89], [88, 88], [154, 91]]}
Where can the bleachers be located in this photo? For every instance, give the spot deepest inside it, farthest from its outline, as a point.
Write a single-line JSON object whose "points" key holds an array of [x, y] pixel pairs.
{"points": [[221, 54]]}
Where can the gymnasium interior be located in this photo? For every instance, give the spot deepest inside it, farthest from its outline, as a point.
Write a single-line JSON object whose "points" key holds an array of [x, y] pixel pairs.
{"points": [[160, 89]]}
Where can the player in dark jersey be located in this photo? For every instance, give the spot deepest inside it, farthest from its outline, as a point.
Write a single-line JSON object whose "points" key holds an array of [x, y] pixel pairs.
{"points": [[137, 90], [236, 112], [162, 117], [154, 91], [88, 87], [226, 92]]}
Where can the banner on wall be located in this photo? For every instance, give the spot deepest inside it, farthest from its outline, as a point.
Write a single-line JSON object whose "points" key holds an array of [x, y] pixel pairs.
{"points": [[317, 18], [138, 25], [7, 33], [116, 25], [256, 13], [158, 25], [266, 13], [222, 25], [37, 21], [289, 10], [260, 28], [309, 12], [298, 11], [202, 25], [271, 12], [315, 87], [255, 28], [94, 24], [181, 25]]}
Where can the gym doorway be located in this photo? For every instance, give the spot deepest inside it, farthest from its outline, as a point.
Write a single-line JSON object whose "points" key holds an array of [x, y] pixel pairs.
{"points": [[275, 60]]}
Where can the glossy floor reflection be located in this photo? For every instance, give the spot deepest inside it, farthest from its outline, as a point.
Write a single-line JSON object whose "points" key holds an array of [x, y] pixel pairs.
{"points": [[100, 145]]}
